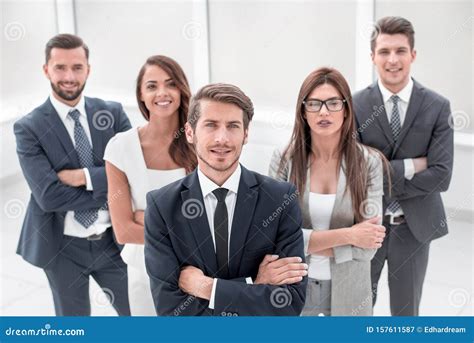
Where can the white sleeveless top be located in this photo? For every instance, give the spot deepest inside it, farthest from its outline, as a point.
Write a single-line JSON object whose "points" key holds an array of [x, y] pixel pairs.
{"points": [[320, 211], [124, 151]]}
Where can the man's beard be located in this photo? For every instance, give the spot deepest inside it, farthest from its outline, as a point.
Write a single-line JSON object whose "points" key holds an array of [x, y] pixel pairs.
{"points": [[67, 96], [214, 167]]}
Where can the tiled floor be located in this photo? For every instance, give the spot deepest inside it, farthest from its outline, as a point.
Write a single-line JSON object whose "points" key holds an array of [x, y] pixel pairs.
{"points": [[24, 289]]}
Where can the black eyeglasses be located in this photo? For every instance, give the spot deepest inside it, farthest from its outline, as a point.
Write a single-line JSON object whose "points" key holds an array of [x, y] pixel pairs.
{"points": [[315, 105]]}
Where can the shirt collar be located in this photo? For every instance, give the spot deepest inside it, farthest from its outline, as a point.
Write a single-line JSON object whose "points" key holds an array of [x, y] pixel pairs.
{"points": [[64, 109], [207, 185], [404, 94]]}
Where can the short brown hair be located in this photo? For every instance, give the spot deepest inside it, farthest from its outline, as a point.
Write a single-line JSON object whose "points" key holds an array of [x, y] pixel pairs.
{"points": [[220, 92], [65, 41], [393, 26]]}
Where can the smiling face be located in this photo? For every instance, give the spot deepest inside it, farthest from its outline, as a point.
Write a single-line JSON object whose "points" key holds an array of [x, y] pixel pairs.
{"points": [[159, 92], [218, 137], [393, 57], [67, 70], [325, 123]]}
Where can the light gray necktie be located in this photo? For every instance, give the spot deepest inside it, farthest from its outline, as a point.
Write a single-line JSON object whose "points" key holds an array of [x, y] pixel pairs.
{"points": [[396, 127]]}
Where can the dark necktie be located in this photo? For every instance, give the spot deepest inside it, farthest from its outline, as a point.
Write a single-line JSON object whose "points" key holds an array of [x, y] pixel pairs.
{"points": [[221, 232], [86, 159], [395, 125]]}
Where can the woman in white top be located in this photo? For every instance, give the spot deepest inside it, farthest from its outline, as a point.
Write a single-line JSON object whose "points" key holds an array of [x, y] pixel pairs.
{"points": [[147, 158], [340, 185]]}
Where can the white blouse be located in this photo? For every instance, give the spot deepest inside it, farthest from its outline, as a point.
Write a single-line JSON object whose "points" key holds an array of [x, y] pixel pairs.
{"points": [[124, 151], [320, 210]]}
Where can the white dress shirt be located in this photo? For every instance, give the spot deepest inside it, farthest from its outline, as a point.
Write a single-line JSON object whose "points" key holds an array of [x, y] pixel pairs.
{"points": [[71, 226], [403, 103], [210, 203]]}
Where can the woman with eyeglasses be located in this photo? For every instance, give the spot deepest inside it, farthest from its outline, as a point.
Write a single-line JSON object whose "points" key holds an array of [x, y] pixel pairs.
{"points": [[147, 158], [340, 185]]}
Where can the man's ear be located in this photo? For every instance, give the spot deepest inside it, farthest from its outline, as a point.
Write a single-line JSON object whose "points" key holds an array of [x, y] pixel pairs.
{"points": [[246, 136], [189, 133], [413, 55], [46, 71]]}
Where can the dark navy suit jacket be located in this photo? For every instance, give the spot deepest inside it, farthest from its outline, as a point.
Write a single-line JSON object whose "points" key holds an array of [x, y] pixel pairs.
{"points": [[44, 148], [267, 220]]}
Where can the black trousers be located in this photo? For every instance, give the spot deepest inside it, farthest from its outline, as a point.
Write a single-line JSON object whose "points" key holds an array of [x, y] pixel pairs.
{"points": [[80, 258], [407, 260]]}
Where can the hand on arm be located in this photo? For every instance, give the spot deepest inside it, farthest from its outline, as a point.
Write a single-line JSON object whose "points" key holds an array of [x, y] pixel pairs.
{"points": [[281, 271], [193, 281], [367, 234], [420, 163], [72, 177]]}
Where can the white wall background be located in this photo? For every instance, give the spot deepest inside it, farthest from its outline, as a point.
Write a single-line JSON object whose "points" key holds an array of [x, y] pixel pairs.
{"points": [[265, 47]]}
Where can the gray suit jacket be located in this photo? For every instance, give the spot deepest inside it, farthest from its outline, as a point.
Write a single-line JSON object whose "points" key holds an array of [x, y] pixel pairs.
{"points": [[425, 132], [350, 267]]}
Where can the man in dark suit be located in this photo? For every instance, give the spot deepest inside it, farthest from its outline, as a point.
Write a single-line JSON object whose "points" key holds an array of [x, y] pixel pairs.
{"points": [[410, 125], [60, 145], [206, 235]]}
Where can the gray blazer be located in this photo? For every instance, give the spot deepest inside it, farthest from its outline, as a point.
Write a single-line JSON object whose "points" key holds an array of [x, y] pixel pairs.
{"points": [[350, 267], [426, 131]]}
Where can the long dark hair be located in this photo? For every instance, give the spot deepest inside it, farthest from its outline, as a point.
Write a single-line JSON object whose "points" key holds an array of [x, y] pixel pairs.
{"points": [[299, 149], [180, 150]]}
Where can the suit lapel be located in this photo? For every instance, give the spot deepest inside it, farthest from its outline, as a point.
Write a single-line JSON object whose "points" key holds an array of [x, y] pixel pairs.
{"points": [[379, 107], [247, 196], [56, 124], [340, 210], [191, 197], [416, 99], [97, 131]]}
